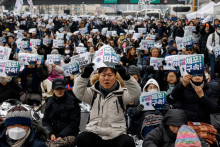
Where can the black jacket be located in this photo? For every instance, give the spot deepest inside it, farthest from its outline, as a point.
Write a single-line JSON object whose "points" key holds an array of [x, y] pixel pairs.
{"points": [[197, 109], [162, 135], [62, 116], [178, 32]]}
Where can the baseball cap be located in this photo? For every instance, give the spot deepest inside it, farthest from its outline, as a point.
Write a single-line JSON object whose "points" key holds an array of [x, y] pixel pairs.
{"points": [[58, 83]]}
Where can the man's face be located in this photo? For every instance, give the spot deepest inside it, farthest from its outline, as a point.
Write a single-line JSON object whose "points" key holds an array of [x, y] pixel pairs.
{"points": [[107, 78], [10, 40], [59, 92]]}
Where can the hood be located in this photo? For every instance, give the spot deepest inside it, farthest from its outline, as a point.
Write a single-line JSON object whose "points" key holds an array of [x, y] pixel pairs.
{"points": [[174, 117], [151, 81]]}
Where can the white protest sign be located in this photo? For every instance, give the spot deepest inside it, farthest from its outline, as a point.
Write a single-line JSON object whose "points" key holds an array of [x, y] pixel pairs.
{"points": [[108, 33], [172, 62], [82, 59], [81, 49], [12, 68], [35, 42], [66, 70], [136, 36], [105, 57], [22, 44], [32, 30], [46, 41], [145, 44], [114, 33], [191, 64], [60, 35], [142, 30], [83, 31], [2, 68], [58, 43], [181, 42], [189, 30], [68, 35], [195, 40], [216, 51], [27, 59], [73, 67], [94, 30], [54, 58], [2, 40], [153, 100], [104, 30], [156, 62], [4, 53]]}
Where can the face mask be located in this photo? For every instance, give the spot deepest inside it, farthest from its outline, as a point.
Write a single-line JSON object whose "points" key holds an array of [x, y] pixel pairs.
{"points": [[207, 76], [67, 51], [152, 90], [16, 133], [218, 31]]}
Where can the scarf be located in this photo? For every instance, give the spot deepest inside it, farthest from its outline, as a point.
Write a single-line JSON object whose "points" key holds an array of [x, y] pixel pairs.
{"points": [[170, 89], [105, 92], [18, 143]]}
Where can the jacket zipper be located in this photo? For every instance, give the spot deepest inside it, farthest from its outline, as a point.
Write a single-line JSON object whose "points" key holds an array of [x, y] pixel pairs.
{"points": [[117, 105], [99, 104]]}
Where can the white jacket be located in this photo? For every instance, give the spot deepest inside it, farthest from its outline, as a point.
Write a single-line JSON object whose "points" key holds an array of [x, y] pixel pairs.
{"points": [[210, 44]]}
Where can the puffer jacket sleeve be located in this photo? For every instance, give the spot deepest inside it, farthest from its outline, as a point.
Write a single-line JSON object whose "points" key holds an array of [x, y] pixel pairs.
{"points": [[81, 91], [153, 138], [178, 91], [133, 91]]}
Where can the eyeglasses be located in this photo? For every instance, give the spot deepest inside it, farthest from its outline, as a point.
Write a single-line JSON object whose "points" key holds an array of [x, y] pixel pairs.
{"points": [[172, 76]]}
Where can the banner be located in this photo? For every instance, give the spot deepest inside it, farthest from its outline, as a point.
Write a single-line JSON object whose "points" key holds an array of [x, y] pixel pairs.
{"points": [[105, 57], [172, 62], [27, 59], [58, 43], [181, 42], [5, 53], [54, 58], [35, 42], [81, 50], [216, 51], [191, 64], [18, 5], [82, 59], [73, 68], [142, 30], [46, 41], [156, 62], [153, 101]]}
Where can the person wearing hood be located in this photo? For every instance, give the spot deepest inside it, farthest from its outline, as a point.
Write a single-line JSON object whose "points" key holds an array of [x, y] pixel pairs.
{"points": [[165, 134], [195, 98], [172, 51]]}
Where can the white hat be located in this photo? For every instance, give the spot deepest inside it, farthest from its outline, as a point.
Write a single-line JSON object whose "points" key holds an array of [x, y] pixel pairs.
{"points": [[151, 81]]}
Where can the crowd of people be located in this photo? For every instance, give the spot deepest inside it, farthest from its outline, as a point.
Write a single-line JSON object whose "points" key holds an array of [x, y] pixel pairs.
{"points": [[112, 93]]}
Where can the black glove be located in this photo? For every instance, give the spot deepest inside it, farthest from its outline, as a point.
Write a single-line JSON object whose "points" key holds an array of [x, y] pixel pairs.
{"points": [[88, 71], [140, 107], [164, 62], [122, 72]]}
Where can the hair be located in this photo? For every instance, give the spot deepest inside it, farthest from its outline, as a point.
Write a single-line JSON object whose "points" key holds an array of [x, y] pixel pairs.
{"points": [[103, 69], [129, 56], [176, 74]]}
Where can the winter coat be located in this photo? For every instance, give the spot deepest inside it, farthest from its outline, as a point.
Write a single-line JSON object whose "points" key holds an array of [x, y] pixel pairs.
{"points": [[37, 138], [178, 32], [62, 116], [162, 136], [58, 69], [10, 91], [202, 42], [197, 109], [106, 117], [211, 44]]}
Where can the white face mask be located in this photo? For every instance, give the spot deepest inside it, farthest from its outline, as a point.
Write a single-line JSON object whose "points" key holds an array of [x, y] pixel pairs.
{"points": [[218, 31], [67, 51], [16, 133], [152, 90]]}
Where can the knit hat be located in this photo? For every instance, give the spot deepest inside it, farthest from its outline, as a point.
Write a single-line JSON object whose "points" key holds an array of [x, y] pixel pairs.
{"points": [[18, 115], [133, 70], [171, 49], [186, 136], [54, 51]]}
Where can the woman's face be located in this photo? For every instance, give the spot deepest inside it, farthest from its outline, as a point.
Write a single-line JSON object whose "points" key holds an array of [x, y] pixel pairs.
{"points": [[155, 52], [171, 78], [151, 87], [174, 129], [197, 78], [132, 52], [91, 50]]}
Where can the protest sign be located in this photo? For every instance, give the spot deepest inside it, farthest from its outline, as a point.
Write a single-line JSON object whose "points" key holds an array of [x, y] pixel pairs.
{"points": [[2, 40], [46, 41], [95, 30], [4, 53], [105, 57], [153, 101], [40, 58], [108, 33], [145, 44], [66, 70], [61, 30], [2, 68], [191, 64], [142, 30], [172, 62], [114, 33], [216, 51], [156, 62], [27, 59], [181, 42], [68, 35], [22, 44], [54, 58], [12, 68], [81, 50], [60, 35], [82, 59], [195, 40], [104, 30], [83, 31], [136, 36], [58, 43], [189, 30], [73, 68], [32, 30], [35, 42]]}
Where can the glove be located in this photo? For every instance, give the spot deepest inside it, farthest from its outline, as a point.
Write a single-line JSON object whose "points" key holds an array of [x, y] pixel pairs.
{"points": [[88, 71], [164, 62], [122, 72], [140, 107]]}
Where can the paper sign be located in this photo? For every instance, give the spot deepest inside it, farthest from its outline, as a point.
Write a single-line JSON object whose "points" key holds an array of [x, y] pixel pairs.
{"points": [[27, 59], [195, 40], [216, 51], [82, 59], [142, 30], [136, 36], [35, 42], [22, 44], [190, 28], [105, 57], [83, 31], [12, 68], [81, 49], [191, 64], [58, 43], [46, 41], [2, 40], [68, 35], [40, 58], [181, 42], [94, 30], [153, 101], [32, 30], [66, 70], [172, 62], [108, 33], [73, 67], [146, 44], [54, 58], [4, 53], [60, 35], [156, 62], [114, 33], [104, 30]]}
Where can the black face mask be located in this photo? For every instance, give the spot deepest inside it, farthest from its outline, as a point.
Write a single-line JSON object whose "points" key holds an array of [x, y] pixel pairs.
{"points": [[165, 40], [197, 83]]}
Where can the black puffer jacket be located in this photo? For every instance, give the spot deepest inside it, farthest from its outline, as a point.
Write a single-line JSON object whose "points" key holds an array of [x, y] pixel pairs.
{"points": [[62, 116], [162, 135], [197, 109]]}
